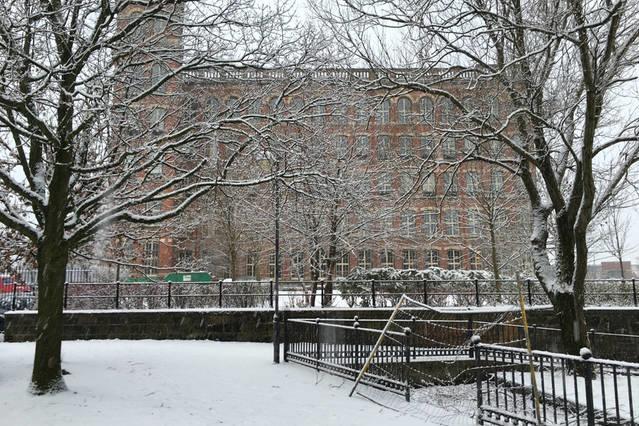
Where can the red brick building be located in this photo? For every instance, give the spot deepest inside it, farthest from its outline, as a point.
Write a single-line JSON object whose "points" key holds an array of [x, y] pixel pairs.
{"points": [[426, 205]]}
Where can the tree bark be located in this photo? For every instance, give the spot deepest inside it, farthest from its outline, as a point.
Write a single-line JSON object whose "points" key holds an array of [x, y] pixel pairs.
{"points": [[47, 371], [572, 322], [495, 260]]}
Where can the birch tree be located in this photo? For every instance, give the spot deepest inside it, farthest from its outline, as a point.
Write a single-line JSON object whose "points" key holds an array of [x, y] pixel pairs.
{"points": [[554, 69]]}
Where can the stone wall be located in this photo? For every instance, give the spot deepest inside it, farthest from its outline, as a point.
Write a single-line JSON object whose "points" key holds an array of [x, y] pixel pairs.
{"points": [[253, 325]]}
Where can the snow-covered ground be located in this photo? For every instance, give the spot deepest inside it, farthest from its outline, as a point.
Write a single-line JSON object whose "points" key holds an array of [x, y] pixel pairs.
{"points": [[119, 382]]}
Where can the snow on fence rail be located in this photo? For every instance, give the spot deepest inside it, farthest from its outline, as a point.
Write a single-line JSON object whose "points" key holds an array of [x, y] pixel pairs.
{"points": [[435, 352], [18, 294], [571, 389]]}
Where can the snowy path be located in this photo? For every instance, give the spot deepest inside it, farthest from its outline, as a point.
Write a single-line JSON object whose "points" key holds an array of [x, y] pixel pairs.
{"points": [[181, 383]]}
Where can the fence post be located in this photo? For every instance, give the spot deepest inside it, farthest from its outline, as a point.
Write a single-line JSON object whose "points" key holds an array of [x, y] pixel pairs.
{"points": [[66, 293], [270, 293], [317, 344], [477, 302], [405, 364], [469, 335], [474, 345], [219, 298], [634, 291], [373, 292], [425, 292], [356, 327], [592, 334], [117, 295], [590, 406], [168, 300], [276, 338], [413, 321], [13, 299], [285, 337], [528, 284]]}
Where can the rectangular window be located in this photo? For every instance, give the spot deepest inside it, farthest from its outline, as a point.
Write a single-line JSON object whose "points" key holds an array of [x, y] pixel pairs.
{"points": [[426, 147], [340, 114], [409, 259], [383, 148], [454, 259], [157, 119], [158, 73], [342, 266], [404, 109], [450, 184], [475, 261], [472, 183], [451, 222], [431, 222], [405, 183], [251, 265], [405, 146], [449, 148], [429, 187], [473, 217], [271, 267], [341, 148], [496, 181], [384, 184], [386, 259], [408, 224], [382, 113], [297, 266], [362, 147], [185, 257], [469, 145], [364, 259], [151, 256], [432, 258]]}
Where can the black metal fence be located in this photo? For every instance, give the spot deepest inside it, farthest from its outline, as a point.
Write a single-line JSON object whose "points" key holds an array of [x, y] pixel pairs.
{"points": [[570, 389], [371, 293], [342, 350], [617, 346]]}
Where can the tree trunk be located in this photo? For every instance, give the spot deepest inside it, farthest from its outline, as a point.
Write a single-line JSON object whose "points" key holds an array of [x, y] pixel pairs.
{"points": [[47, 371], [572, 322], [315, 261], [495, 260]]}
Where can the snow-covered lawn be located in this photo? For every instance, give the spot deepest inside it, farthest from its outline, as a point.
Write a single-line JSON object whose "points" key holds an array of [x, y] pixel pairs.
{"points": [[119, 382]]}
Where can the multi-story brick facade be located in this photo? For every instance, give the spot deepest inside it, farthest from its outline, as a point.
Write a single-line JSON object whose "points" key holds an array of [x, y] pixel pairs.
{"points": [[431, 207]]}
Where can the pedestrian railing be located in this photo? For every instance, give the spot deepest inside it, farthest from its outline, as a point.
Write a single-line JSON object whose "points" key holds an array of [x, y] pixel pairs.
{"points": [[340, 293], [518, 387]]}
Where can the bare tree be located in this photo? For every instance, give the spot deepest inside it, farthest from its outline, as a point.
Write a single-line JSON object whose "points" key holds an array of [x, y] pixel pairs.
{"points": [[553, 69], [92, 129], [614, 234]]}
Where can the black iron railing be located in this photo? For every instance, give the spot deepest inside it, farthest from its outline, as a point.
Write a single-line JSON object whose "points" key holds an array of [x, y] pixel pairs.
{"points": [[570, 389], [342, 350], [261, 294]]}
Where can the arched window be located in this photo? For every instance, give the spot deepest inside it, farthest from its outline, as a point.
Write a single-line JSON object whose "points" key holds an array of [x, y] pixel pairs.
{"points": [[214, 106], [232, 105], [405, 110], [297, 106], [426, 109]]}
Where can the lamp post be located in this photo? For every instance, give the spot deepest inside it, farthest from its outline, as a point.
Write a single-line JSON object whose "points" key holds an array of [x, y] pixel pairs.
{"points": [[276, 315], [273, 164]]}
